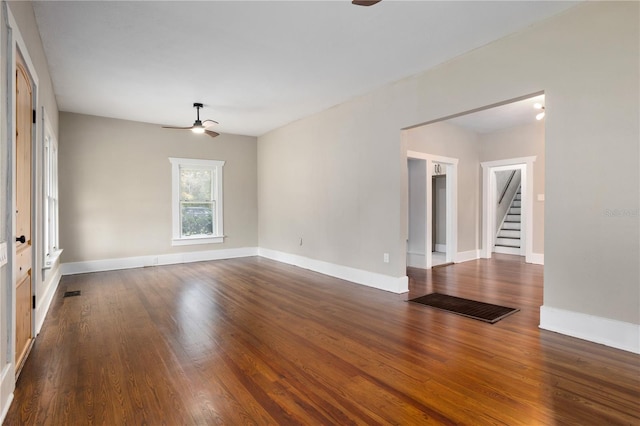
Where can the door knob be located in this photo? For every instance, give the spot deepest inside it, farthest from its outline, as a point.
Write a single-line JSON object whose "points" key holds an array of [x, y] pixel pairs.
{"points": [[21, 239]]}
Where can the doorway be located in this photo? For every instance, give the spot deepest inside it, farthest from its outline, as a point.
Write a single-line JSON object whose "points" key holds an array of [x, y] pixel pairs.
{"points": [[494, 214], [432, 234], [24, 92], [439, 215]]}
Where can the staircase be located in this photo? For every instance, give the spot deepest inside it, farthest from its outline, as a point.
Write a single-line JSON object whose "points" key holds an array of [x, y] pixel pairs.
{"points": [[508, 236]]}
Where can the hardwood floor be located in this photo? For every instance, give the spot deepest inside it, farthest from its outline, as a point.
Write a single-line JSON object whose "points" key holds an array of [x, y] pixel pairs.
{"points": [[253, 341]]}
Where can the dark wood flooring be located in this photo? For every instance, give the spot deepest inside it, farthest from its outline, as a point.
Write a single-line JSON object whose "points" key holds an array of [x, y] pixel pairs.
{"points": [[253, 341]]}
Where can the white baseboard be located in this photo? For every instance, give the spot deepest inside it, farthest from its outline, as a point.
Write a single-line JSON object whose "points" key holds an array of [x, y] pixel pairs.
{"points": [[162, 259], [416, 260], [442, 248], [358, 276], [44, 301], [465, 256], [536, 258], [617, 334], [7, 385]]}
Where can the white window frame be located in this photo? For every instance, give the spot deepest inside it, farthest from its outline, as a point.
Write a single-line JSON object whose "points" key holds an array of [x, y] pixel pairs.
{"points": [[218, 232], [51, 219]]}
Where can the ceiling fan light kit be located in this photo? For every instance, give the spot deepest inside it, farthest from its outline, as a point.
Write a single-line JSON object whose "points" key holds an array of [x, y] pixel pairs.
{"points": [[541, 114], [198, 125]]}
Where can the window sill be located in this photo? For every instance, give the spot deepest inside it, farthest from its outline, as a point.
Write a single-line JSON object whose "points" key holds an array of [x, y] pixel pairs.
{"points": [[197, 240], [49, 261]]}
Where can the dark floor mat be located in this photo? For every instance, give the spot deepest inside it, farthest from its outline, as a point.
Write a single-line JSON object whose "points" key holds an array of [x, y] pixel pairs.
{"points": [[468, 308]]}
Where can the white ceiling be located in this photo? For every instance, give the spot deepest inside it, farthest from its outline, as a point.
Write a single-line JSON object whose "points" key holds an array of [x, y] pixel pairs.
{"points": [[500, 117], [255, 65]]}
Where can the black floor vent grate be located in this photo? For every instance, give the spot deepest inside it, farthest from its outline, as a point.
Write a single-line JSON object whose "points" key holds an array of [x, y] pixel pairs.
{"points": [[72, 293]]}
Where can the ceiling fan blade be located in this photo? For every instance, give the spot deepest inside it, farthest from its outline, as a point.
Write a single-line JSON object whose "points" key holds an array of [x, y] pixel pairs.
{"points": [[178, 128], [365, 2], [198, 126]]}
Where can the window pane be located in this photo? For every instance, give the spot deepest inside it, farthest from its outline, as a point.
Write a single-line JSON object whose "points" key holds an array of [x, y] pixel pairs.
{"points": [[196, 218], [196, 185]]}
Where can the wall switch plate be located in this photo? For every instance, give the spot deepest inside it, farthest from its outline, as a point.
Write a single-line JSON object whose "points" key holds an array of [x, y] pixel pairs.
{"points": [[385, 258], [3, 253]]}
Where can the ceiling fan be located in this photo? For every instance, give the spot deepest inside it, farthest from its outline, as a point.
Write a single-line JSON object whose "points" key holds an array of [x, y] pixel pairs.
{"points": [[198, 126], [365, 2]]}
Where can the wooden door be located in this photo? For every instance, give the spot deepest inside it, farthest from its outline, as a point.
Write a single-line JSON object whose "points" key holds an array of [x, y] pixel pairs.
{"points": [[24, 125]]}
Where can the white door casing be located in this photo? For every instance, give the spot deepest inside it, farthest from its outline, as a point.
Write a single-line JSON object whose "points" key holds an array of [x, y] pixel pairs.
{"points": [[451, 170], [489, 169]]}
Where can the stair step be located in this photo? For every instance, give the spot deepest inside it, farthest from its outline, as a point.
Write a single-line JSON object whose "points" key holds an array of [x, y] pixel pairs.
{"points": [[514, 210], [508, 242], [516, 203], [513, 218], [511, 225], [507, 250], [509, 233]]}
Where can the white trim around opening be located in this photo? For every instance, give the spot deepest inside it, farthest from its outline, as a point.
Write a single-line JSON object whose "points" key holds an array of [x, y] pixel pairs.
{"points": [[525, 164], [451, 170]]}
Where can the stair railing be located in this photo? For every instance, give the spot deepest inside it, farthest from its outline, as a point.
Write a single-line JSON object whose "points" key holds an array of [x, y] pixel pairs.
{"points": [[504, 190]]}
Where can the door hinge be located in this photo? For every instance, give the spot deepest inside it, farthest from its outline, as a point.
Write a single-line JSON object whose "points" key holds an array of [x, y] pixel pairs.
{"points": [[34, 301], [34, 116]]}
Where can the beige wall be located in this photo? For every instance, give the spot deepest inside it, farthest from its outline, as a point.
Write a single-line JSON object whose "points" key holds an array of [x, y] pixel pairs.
{"points": [[439, 210], [115, 187], [340, 177], [448, 140], [521, 141], [416, 238]]}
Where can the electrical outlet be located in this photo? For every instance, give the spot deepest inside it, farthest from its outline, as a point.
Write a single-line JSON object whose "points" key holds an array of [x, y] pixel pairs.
{"points": [[385, 258]]}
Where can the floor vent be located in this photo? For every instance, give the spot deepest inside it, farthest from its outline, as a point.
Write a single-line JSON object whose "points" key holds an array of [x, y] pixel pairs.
{"points": [[72, 293]]}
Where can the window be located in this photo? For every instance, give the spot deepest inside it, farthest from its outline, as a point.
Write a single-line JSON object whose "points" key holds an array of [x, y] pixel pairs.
{"points": [[50, 190], [196, 201]]}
